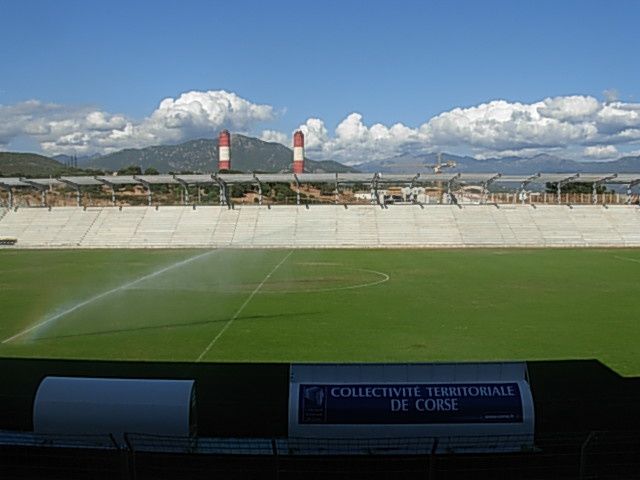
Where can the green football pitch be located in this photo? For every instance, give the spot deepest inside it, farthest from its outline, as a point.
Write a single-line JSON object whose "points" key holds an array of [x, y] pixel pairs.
{"points": [[322, 305]]}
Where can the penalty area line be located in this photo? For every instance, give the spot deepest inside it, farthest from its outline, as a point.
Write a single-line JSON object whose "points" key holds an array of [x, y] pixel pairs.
{"points": [[242, 307]]}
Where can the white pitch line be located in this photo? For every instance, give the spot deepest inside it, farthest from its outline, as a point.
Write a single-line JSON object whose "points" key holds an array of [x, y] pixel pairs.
{"points": [[635, 260], [105, 294], [242, 307], [385, 278]]}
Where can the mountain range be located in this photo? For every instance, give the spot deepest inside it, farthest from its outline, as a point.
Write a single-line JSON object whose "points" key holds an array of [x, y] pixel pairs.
{"points": [[251, 154], [247, 154], [410, 163]]}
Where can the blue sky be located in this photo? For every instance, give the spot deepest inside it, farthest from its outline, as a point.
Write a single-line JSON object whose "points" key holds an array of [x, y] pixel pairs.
{"points": [[390, 62]]}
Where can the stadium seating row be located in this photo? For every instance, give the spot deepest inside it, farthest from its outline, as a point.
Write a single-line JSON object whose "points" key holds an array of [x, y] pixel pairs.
{"points": [[324, 226]]}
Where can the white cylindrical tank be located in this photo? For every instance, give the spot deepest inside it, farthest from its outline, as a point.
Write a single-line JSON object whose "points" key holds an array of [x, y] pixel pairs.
{"points": [[72, 405]]}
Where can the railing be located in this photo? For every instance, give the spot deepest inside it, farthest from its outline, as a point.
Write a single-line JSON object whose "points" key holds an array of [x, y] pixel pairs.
{"points": [[588, 455], [429, 198]]}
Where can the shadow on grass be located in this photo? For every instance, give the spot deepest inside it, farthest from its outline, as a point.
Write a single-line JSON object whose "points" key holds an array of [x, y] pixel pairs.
{"points": [[169, 325], [582, 396]]}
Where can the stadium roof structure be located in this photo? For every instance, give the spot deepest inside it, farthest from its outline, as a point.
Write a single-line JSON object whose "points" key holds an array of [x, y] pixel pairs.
{"points": [[374, 181], [236, 178], [118, 180], [626, 179], [518, 178], [557, 177], [11, 182], [156, 179], [222, 179], [195, 179], [78, 181], [42, 182]]}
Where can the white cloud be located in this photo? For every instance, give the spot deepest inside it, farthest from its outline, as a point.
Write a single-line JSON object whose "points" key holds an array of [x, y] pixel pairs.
{"points": [[601, 152], [573, 125], [353, 141], [316, 135], [616, 117], [80, 130], [611, 95], [274, 136], [560, 125], [575, 108], [501, 125]]}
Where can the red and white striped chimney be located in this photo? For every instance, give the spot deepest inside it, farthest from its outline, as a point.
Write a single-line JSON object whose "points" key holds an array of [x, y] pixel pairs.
{"points": [[298, 152], [224, 144]]}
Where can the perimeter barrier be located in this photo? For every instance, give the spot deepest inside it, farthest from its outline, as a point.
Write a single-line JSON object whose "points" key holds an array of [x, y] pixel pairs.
{"points": [[589, 455], [29, 455]]}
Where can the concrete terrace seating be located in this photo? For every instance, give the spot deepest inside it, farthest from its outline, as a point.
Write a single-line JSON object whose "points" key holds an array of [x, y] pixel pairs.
{"points": [[324, 226]]}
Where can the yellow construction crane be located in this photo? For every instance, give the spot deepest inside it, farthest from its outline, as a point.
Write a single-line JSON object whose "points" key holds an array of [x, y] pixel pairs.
{"points": [[436, 167]]}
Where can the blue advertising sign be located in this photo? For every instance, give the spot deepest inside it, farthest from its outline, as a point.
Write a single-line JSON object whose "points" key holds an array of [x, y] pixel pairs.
{"points": [[423, 403]]}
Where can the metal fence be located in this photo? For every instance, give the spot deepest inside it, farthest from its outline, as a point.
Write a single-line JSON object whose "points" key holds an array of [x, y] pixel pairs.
{"points": [[591, 455], [26, 455]]}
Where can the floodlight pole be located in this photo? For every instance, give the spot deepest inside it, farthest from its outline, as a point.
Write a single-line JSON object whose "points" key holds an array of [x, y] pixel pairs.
{"points": [[594, 185], [259, 188], [185, 188], [224, 200], [562, 182], [76, 187], [38, 186], [10, 192], [337, 191], [485, 184], [147, 186], [412, 186], [629, 187], [452, 197], [524, 184], [113, 188], [375, 199], [295, 178], [373, 191]]}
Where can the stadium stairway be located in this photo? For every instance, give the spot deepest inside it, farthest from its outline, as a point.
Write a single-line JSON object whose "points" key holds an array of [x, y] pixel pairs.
{"points": [[324, 226]]}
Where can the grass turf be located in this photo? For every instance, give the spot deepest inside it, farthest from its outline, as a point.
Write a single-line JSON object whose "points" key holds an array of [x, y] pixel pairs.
{"points": [[323, 305]]}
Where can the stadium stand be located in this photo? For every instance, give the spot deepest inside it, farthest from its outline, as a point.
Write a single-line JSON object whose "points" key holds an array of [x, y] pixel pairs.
{"points": [[325, 226]]}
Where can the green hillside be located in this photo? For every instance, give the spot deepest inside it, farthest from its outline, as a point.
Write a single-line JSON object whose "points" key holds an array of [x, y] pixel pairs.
{"points": [[28, 165]]}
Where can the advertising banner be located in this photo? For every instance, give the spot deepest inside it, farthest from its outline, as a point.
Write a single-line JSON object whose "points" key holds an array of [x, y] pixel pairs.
{"points": [[447, 402], [431, 403]]}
